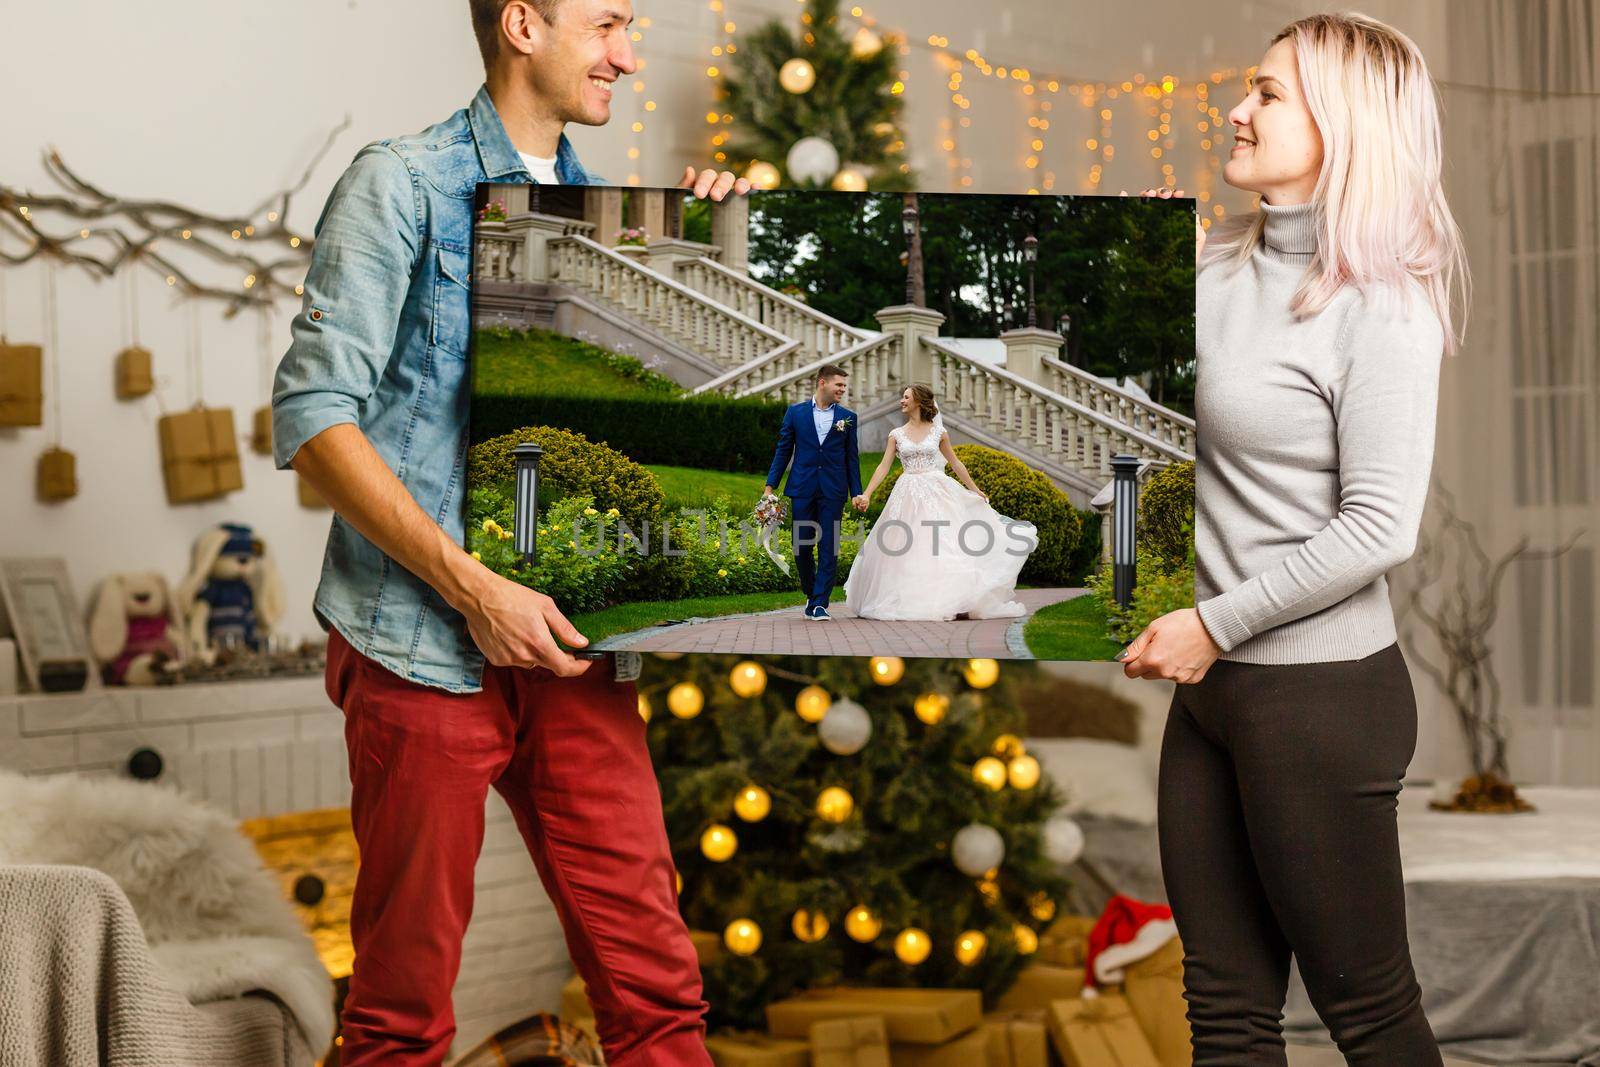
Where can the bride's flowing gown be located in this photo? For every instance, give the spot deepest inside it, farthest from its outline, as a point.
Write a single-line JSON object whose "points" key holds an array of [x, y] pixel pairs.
{"points": [[938, 549]]}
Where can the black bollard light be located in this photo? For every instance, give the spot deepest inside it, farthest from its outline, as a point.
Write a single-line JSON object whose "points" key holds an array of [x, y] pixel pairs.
{"points": [[1124, 508], [525, 508]]}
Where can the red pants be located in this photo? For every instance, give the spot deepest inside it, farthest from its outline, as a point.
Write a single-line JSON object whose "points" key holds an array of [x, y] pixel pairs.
{"points": [[570, 759]]}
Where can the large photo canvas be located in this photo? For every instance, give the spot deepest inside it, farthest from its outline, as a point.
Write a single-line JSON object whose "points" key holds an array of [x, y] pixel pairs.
{"points": [[812, 422]]}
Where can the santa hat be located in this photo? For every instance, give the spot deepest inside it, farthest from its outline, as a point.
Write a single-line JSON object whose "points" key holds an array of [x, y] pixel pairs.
{"points": [[1127, 931]]}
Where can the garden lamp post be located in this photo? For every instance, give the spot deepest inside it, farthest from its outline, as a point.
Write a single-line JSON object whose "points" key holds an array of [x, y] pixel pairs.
{"points": [[1030, 254], [910, 225], [525, 507], [1124, 506]]}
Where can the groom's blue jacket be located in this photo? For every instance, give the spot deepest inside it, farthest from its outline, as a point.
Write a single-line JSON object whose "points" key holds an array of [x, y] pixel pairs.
{"points": [[831, 469]]}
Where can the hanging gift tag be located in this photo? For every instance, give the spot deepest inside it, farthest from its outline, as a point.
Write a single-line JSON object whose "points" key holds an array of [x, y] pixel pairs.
{"points": [[57, 474], [21, 385], [134, 377]]}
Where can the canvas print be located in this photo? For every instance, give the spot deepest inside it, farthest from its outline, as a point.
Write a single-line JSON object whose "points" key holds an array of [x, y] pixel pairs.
{"points": [[813, 422]]}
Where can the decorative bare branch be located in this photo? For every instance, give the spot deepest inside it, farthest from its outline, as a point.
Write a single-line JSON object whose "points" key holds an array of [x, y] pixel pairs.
{"points": [[1461, 621], [143, 231]]}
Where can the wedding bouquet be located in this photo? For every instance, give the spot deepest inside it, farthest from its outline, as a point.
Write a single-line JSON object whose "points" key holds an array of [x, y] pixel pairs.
{"points": [[769, 515]]}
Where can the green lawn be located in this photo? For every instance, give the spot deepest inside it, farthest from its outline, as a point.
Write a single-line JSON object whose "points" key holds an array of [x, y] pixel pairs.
{"points": [[541, 362], [1071, 629], [692, 487], [626, 618]]}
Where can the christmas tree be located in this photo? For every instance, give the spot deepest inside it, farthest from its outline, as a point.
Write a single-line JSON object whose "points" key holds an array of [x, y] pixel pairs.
{"points": [[843, 820], [822, 109]]}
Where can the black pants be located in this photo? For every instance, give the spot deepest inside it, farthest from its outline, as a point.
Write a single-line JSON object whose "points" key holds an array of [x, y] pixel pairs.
{"points": [[1277, 824]]}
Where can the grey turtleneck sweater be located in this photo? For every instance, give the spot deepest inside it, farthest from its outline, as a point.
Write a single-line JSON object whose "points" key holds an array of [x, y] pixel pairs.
{"points": [[1315, 447]]}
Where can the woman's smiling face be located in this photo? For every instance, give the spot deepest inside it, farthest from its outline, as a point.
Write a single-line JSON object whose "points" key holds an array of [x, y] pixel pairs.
{"points": [[1277, 149]]}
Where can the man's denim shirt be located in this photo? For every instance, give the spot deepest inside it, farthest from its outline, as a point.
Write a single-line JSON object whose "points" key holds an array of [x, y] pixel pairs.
{"points": [[381, 341]]}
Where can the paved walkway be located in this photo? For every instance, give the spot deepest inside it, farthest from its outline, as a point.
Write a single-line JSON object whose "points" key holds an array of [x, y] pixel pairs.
{"points": [[786, 632]]}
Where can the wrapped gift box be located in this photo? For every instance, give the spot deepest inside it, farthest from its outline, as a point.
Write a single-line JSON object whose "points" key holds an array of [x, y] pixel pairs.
{"points": [[309, 497], [1016, 1038], [1038, 984], [199, 454], [133, 373], [575, 999], [971, 1049], [756, 1049], [21, 385], [707, 946], [1154, 988], [911, 1016], [58, 474], [261, 432], [1099, 1032], [857, 1041], [1065, 941]]}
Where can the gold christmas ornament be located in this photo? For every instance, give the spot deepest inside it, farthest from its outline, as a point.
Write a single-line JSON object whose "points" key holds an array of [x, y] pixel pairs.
{"points": [[748, 679], [752, 803], [1027, 940], [982, 673], [810, 926], [912, 945], [685, 700], [850, 180], [812, 703], [970, 945], [887, 670], [1041, 907], [990, 772], [742, 937], [862, 925], [865, 44], [718, 842], [883, 129], [931, 707], [1023, 772], [644, 707], [763, 175], [797, 75], [1008, 746], [835, 804]]}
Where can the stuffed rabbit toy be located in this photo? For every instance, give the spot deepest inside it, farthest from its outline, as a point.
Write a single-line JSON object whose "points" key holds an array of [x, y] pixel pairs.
{"points": [[232, 594], [133, 629]]}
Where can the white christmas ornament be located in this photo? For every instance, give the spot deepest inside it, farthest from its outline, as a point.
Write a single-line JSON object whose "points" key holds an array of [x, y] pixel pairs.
{"points": [[977, 848], [812, 159], [845, 728], [1063, 839]]}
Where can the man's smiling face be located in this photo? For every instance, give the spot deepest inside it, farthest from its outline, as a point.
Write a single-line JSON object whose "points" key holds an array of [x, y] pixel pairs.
{"points": [[582, 54]]}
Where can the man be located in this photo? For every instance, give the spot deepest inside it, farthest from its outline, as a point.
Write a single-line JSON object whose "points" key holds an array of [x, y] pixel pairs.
{"points": [[820, 435], [450, 677]]}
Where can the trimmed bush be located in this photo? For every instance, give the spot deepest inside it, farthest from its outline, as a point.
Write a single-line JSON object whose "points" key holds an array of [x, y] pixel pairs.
{"points": [[1166, 516], [1016, 491], [572, 465], [714, 432]]}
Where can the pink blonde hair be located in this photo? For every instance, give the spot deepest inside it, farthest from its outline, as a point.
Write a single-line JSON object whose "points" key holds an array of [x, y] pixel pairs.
{"points": [[1381, 216]]}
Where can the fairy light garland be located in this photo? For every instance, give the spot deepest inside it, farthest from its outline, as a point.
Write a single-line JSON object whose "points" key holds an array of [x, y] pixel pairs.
{"points": [[645, 104]]}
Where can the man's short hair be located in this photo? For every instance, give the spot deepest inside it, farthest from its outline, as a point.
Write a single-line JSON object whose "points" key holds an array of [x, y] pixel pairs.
{"points": [[486, 24], [831, 370]]}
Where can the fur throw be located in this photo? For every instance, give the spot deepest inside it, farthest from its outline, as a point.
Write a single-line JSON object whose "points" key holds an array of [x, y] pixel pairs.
{"points": [[215, 920]]}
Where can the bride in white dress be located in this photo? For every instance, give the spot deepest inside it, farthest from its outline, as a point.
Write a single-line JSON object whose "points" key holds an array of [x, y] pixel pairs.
{"points": [[938, 550]]}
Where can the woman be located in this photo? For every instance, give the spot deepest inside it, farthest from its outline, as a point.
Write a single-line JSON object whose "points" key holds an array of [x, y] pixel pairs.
{"points": [[1319, 326], [937, 551]]}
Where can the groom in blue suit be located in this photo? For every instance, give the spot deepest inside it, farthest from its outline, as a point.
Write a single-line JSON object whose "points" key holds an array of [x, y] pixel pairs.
{"points": [[820, 436]]}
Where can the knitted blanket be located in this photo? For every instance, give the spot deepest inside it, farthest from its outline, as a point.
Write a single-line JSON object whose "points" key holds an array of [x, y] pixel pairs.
{"points": [[176, 912]]}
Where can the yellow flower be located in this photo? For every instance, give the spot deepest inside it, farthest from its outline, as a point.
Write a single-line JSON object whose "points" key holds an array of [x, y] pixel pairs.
{"points": [[572, 544], [590, 511], [542, 530], [477, 557], [613, 513], [490, 526], [504, 535], [741, 559], [721, 573]]}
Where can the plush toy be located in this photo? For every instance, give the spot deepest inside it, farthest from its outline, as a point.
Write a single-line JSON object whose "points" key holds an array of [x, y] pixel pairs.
{"points": [[232, 594], [133, 629]]}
